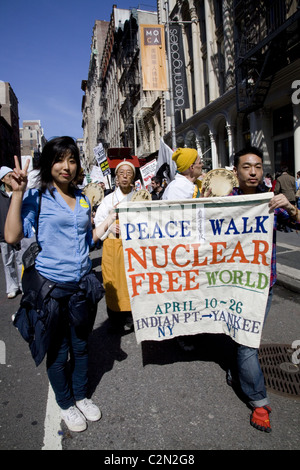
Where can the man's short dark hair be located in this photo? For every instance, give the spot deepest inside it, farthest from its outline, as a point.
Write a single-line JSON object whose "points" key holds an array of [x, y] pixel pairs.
{"points": [[245, 151], [285, 169], [157, 180]]}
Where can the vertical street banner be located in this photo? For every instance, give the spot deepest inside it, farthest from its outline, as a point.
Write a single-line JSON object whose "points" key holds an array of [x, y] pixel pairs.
{"points": [[178, 72], [153, 57], [198, 266]]}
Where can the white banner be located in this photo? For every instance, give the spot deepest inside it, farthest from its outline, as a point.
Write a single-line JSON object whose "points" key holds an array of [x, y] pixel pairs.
{"points": [[198, 266]]}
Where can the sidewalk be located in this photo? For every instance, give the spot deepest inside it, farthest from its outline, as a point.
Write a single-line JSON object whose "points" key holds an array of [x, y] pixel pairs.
{"points": [[288, 260]]}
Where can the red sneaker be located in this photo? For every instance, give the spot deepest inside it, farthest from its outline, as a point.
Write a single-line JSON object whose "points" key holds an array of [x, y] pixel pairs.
{"points": [[260, 418]]}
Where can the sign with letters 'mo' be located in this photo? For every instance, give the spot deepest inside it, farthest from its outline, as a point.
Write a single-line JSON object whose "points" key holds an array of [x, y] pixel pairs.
{"points": [[153, 57], [198, 266]]}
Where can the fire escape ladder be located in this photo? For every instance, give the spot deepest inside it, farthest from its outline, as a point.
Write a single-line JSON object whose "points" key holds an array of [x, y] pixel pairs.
{"points": [[252, 84], [270, 40], [262, 85]]}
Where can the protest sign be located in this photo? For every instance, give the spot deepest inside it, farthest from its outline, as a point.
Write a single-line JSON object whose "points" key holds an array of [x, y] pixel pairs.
{"points": [[147, 172], [101, 159], [198, 266], [96, 174]]}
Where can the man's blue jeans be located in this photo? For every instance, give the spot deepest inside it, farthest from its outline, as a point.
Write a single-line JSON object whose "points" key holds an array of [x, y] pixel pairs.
{"points": [[68, 385], [249, 371]]}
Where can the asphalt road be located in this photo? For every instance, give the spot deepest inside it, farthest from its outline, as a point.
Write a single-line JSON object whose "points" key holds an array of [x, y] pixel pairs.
{"points": [[153, 396]]}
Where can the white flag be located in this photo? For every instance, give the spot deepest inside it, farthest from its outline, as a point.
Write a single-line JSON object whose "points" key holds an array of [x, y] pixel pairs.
{"points": [[166, 167]]}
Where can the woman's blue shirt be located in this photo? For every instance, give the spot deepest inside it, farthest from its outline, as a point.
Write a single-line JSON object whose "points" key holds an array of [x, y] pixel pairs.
{"points": [[64, 235]]}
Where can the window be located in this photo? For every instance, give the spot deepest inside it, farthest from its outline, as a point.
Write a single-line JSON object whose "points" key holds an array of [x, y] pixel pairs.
{"points": [[283, 120]]}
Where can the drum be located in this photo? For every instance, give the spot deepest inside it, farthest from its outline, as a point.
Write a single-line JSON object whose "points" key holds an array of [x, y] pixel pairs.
{"points": [[141, 195], [94, 193], [220, 181]]}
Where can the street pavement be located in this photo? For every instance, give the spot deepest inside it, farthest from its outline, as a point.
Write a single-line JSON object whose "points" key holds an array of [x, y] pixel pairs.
{"points": [[153, 396], [288, 259]]}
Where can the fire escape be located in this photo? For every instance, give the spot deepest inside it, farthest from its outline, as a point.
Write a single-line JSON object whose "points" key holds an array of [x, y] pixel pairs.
{"points": [[267, 38], [128, 52], [102, 125]]}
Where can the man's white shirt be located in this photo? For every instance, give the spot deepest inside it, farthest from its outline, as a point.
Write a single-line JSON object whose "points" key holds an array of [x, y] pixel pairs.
{"points": [[179, 188], [109, 203]]}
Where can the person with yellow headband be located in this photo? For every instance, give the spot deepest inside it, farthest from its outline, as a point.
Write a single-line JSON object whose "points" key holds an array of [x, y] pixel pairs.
{"points": [[186, 184]]}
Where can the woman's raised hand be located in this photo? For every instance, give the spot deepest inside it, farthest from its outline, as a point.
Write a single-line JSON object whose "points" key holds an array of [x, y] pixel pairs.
{"points": [[19, 177]]}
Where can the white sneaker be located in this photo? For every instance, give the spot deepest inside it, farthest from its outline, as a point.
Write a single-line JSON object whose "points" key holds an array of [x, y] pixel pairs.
{"points": [[89, 409], [74, 420], [12, 295]]}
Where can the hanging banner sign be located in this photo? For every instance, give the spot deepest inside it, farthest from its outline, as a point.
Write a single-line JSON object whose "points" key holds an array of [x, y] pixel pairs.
{"points": [[177, 64], [153, 57], [101, 159], [198, 266]]}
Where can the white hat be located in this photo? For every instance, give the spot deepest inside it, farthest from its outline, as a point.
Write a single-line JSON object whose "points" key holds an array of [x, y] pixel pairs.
{"points": [[4, 170], [125, 162]]}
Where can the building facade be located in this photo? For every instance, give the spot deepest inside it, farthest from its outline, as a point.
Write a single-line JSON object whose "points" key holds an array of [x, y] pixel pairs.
{"points": [[32, 140], [140, 110], [90, 102], [242, 62], [242, 67], [9, 125], [116, 110]]}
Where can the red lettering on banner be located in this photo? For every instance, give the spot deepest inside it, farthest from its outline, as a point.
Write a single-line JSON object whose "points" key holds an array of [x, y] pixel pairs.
{"points": [[182, 255]]}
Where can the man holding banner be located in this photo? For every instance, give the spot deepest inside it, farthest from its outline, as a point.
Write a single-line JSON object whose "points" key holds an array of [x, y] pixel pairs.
{"points": [[248, 167], [203, 265]]}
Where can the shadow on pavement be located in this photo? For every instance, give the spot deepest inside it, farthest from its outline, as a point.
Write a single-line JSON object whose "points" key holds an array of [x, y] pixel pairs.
{"points": [[220, 349], [104, 350], [207, 347]]}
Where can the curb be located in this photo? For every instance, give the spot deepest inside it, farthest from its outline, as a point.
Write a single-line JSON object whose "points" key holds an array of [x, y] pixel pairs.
{"points": [[288, 278]]}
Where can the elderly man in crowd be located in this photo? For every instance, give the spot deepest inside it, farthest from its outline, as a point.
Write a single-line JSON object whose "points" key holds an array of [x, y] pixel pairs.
{"points": [[113, 268]]}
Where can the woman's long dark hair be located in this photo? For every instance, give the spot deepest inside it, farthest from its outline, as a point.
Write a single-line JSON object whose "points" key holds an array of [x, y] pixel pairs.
{"points": [[52, 152]]}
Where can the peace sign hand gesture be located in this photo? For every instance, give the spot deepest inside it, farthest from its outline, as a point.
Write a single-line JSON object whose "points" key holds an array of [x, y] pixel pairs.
{"points": [[19, 177], [13, 229]]}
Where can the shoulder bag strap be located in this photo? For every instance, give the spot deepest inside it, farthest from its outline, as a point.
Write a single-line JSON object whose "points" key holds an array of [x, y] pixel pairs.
{"points": [[38, 215]]}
